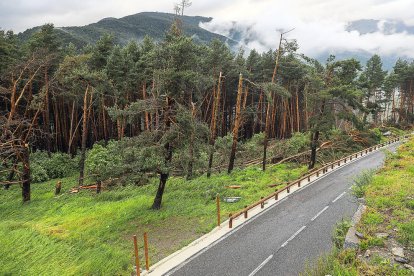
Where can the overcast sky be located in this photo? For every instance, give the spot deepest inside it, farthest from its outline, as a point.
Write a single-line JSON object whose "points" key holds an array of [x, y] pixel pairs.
{"points": [[320, 24]]}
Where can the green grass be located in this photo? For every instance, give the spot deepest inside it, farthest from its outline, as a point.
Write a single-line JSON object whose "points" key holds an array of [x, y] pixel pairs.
{"points": [[89, 234]]}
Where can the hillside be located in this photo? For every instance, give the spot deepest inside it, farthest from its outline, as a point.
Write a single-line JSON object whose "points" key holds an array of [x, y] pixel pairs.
{"points": [[132, 27]]}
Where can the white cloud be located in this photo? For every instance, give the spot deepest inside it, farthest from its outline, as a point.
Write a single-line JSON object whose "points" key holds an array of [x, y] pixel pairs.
{"points": [[320, 24]]}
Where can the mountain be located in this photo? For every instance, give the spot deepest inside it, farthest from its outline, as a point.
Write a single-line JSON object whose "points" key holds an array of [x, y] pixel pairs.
{"points": [[387, 27], [133, 27]]}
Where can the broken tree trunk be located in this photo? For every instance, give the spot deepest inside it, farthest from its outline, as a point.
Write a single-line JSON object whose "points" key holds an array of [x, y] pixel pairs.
{"points": [[237, 121], [213, 127]]}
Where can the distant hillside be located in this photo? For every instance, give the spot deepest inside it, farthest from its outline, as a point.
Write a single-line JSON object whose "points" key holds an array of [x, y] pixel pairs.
{"points": [[387, 27], [133, 27]]}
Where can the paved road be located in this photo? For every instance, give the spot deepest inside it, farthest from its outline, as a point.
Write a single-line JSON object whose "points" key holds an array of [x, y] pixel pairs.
{"points": [[281, 240]]}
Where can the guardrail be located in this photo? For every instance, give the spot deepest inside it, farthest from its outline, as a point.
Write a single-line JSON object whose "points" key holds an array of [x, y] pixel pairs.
{"points": [[307, 178]]}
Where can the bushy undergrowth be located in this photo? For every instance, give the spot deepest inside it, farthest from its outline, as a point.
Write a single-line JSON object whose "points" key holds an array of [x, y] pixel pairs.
{"points": [[361, 182], [58, 165]]}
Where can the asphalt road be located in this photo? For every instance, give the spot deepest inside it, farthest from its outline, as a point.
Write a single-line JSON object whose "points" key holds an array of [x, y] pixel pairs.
{"points": [[296, 231]]}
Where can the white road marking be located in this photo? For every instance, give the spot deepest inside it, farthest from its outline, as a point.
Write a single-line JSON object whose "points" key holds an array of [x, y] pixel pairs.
{"points": [[261, 265], [338, 197], [318, 214], [293, 236]]}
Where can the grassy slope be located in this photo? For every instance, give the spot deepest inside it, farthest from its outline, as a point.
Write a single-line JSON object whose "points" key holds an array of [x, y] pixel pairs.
{"points": [[88, 234], [390, 202]]}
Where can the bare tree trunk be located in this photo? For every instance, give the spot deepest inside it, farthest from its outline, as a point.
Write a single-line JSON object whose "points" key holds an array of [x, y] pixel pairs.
{"points": [[191, 144], [84, 137], [46, 113], [167, 159], [213, 127], [237, 121], [26, 175], [269, 106], [314, 146]]}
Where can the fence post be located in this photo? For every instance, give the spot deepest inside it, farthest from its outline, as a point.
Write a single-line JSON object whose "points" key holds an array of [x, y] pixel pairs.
{"points": [[245, 212], [276, 195], [298, 183], [136, 256], [317, 173], [146, 251], [261, 203], [218, 209], [230, 221], [308, 178]]}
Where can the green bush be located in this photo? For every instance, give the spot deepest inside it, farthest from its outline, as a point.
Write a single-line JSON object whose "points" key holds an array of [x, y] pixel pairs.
{"points": [[341, 228], [361, 182], [58, 165], [38, 173]]}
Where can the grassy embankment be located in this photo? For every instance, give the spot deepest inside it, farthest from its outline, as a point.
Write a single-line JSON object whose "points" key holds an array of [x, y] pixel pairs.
{"points": [[89, 234], [390, 201]]}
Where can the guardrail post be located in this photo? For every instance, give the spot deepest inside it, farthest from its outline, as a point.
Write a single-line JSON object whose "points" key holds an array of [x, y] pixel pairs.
{"points": [[345, 160], [332, 166], [308, 178], [146, 251], [298, 183], [317, 173], [245, 212], [230, 221], [136, 256], [261, 203], [350, 158], [218, 209], [276, 195], [339, 163]]}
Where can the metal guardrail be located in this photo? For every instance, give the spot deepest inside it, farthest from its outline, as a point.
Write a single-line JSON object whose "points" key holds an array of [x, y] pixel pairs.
{"points": [[307, 178]]}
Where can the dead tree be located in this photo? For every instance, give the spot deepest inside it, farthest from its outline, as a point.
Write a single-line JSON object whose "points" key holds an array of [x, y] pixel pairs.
{"points": [[237, 122]]}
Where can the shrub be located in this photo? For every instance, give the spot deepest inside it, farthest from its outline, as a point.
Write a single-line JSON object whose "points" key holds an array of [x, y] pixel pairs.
{"points": [[360, 183], [341, 228], [58, 165], [38, 173]]}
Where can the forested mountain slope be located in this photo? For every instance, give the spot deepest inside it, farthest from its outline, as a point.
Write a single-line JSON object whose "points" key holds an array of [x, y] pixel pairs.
{"points": [[132, 27]]}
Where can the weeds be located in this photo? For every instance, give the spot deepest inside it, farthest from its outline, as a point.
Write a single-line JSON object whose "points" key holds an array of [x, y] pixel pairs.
{"points": [[361, 182]]}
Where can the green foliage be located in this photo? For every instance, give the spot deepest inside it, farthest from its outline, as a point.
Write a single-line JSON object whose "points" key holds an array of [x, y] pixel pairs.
{"points": [[58, 165], [361, 182], [339, 233]]}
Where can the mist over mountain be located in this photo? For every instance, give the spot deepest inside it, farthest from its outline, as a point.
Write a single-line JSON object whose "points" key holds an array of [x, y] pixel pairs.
{"points": [[248, 35]]}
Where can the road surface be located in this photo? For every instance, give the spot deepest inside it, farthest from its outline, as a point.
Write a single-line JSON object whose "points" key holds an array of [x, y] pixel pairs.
{"points": [[296, 231]]}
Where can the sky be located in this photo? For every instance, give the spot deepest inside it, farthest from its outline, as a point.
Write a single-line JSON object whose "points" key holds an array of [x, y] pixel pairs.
{"points": [[319, 24]]}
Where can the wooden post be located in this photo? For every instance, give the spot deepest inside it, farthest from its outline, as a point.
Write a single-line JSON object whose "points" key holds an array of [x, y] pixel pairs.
{"points": [[276, 195], [147, 264], [262, 203], [245, 212], [288, 190], [136, 256], [230, 221], [298, 183], [309, 178], [58, 187], [317, 173], [218, 209]]}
